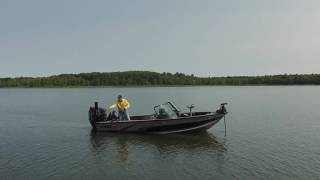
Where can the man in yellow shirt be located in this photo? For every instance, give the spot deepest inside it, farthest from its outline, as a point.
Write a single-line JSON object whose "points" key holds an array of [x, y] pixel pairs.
{"points": [[123, 105]]}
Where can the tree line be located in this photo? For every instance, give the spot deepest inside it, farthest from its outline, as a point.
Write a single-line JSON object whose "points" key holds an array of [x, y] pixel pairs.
{"points": [[147, 78]]}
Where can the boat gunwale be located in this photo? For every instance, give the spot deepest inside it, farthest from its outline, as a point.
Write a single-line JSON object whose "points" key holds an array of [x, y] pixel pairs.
{"points": [[148, 120]]}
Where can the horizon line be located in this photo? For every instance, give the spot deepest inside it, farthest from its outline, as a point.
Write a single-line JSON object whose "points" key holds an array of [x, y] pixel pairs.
{"points": [[187, 74]]}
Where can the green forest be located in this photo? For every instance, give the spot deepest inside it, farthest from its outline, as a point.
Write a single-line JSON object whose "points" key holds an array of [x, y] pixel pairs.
{"points": [[146, 78]]}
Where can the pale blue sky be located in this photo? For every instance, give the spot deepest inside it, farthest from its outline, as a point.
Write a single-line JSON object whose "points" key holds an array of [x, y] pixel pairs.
{"points": [[203, 37]]}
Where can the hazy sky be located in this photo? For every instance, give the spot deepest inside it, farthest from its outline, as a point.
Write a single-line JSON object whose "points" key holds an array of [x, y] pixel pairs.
{"points": [[203, 37]]}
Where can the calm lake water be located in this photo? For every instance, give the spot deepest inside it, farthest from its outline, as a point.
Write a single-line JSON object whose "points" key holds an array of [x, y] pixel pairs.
{"points": [[273, 132]]}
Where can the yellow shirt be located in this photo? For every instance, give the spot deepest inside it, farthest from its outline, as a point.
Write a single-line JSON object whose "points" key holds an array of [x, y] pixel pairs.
{"points": [[121, 105]]}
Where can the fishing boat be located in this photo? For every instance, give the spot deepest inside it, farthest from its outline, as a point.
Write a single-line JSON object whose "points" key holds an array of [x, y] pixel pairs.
{"points": [[167, 118]]}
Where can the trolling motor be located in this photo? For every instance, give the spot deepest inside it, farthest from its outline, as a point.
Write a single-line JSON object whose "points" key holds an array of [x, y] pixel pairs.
{"points": [[190, 107], [222, 109]]}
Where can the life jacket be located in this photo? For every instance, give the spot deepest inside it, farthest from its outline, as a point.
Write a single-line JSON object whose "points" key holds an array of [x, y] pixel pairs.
{"points": [[121, 105]]}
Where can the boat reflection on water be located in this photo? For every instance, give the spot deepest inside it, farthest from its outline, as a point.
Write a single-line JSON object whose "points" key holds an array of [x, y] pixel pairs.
{"points": [[126, 144]]}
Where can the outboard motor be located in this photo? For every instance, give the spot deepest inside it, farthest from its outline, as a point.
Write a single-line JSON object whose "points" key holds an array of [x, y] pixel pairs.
{"points": [[96, 114], [222, 109]]}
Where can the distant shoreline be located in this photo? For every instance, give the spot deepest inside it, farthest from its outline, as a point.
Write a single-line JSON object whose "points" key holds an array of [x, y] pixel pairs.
{"points": [[137, 79], [92, 87]]}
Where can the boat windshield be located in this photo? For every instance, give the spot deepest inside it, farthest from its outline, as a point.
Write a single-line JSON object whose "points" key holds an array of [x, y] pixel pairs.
{"points": [[167, 108]]}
